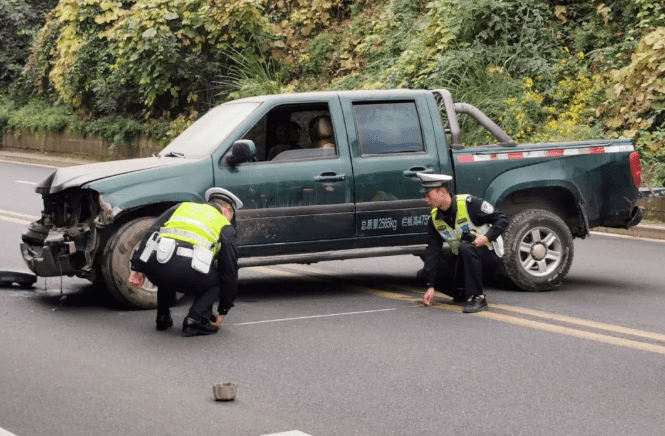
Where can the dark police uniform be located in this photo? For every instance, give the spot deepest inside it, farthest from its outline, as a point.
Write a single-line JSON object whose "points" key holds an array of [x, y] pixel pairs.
{"points": [[191, 248], [464, 267]]}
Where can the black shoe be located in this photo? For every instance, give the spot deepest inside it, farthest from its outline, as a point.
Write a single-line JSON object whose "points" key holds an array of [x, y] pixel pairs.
{"points": [[164, 321], [477, 304], [191, 327]]}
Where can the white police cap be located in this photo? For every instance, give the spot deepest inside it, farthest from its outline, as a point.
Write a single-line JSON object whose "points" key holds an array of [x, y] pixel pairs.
{"points": [[433, 181], [225, 195]]}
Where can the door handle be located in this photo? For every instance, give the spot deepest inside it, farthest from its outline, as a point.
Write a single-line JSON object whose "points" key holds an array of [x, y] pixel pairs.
{"points": [[329, 177], [413, 172]]}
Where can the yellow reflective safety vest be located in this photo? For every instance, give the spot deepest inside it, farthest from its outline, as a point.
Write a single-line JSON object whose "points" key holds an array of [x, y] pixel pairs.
{"points": [[198, 224], [462, 223]]}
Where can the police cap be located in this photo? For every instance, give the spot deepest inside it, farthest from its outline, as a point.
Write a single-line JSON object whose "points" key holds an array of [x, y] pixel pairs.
{"points": [[433, 181], [224, 194]]}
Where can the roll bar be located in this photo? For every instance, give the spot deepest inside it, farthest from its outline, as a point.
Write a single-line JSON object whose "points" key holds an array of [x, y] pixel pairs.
{"points": [[452, 109]]}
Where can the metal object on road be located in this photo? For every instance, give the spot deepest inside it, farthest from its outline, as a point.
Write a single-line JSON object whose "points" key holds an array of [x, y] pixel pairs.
{"points": [[24, 279], [224, 391]]}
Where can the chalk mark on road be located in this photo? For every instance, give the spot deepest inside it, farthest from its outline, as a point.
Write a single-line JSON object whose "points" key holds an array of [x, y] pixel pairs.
{"points": [[314, 316]]}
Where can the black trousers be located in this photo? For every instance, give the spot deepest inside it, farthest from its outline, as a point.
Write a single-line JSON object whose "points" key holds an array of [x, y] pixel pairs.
{"points": [[462, 274], [177, 275]]}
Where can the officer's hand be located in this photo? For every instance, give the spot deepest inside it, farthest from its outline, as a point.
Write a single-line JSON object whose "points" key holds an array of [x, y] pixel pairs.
{"points": [[480, 240], [136, 279], [220, 320], [427, 299]]}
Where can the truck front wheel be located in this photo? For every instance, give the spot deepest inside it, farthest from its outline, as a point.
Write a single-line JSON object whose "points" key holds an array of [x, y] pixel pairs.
{"points": [[116, 267], [538, 250]]}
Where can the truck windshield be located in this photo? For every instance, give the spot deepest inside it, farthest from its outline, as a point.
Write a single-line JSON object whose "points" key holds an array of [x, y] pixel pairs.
{"points": [[209, 131]]}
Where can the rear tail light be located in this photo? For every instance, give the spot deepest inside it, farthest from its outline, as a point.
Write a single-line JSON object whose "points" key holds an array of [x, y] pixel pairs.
{"points": [[636, 168]]}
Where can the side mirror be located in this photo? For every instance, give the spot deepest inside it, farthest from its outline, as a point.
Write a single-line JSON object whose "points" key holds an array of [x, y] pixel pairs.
{"points": [[243, 150]]}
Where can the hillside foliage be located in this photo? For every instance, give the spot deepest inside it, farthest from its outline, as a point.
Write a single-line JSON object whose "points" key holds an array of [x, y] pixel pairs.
{"points": [[545, 70]]}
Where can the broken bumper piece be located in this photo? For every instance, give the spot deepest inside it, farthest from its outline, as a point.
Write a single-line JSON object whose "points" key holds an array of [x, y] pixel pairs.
{"points": [[23, 279]]}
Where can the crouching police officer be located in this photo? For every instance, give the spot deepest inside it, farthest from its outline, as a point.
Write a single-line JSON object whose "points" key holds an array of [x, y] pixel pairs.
{"points": [[191, 248], [472, 228]]}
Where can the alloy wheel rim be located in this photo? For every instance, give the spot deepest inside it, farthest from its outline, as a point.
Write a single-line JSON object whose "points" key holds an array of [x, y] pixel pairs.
{"points": [[540, 251]]}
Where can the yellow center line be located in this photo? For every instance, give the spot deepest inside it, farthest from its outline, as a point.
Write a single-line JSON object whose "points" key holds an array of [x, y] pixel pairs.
{"points": [[14, 220], [22, 215], [573, 332], [553, 328], [274, 271], [582, 322], [27, 163]]}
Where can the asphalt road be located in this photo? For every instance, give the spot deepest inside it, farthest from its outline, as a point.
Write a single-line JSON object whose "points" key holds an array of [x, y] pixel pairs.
{"points": [[339, 348]]}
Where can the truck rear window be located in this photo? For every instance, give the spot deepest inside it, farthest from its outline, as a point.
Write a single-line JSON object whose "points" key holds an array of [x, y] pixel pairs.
{"points": [[391, 127]]}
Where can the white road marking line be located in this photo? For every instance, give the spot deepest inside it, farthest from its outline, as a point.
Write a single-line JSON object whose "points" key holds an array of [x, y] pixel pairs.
{"points": [[4, 432], [313, 316], [637, 238], [288, 433], [26, 183]]}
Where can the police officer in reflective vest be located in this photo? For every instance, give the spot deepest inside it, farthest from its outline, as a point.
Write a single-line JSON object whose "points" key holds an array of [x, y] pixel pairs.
{"points": [[191, 248], [472, 228]]}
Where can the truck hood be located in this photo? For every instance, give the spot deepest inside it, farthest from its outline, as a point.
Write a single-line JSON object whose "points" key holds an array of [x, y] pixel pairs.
{"points": [[69, 177]]}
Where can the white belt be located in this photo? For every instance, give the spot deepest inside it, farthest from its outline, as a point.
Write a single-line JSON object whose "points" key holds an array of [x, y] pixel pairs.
{"points": [[184, 252]]}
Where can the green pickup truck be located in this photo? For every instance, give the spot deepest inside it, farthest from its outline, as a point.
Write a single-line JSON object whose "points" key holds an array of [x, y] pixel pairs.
{"points": [[332, 175]]}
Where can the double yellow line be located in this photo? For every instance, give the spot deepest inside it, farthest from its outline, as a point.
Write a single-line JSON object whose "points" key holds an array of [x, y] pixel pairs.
{"points": [[535, 319], [15, 217]]}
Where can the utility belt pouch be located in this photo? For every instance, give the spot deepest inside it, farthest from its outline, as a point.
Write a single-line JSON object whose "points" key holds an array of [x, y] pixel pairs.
{"points": [[202, 259], [165, 249], [149, 247]]}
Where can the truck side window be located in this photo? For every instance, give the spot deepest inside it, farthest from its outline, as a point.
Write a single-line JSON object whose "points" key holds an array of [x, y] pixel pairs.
{"points": [[384, 128], [294, 132]]}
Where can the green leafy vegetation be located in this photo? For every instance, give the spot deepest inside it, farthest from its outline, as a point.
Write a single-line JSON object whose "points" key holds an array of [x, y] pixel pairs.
{"points": [[20, 21], [554, 70]]}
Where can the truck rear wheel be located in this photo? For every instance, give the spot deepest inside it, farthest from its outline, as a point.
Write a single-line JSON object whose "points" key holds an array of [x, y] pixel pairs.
{"points": [[538, 250], [116, 267]]}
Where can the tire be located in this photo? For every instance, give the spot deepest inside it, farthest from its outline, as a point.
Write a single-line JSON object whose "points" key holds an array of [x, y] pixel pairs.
{"points": [[538, 250], [116, 266]]}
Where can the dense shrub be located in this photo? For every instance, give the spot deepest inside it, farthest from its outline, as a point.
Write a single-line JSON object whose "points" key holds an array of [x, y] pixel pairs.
{"points": [[140, 57], [20, 21]]}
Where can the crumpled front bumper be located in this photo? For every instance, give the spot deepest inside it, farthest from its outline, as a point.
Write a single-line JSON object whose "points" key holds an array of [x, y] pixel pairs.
{"points": [[52, 259]]}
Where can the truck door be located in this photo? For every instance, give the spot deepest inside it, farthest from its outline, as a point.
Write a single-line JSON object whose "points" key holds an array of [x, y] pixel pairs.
{"points": [[300, 188], [391, 138]]}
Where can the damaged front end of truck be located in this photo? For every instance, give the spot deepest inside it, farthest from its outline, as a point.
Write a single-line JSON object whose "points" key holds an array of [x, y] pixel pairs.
{"points": [[94, 216], [67, 237]]}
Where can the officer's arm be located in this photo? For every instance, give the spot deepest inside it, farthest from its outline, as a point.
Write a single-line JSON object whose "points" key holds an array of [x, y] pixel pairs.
{"points": [[156, 225], [227, 266], [432, 252], [482, 212]]}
